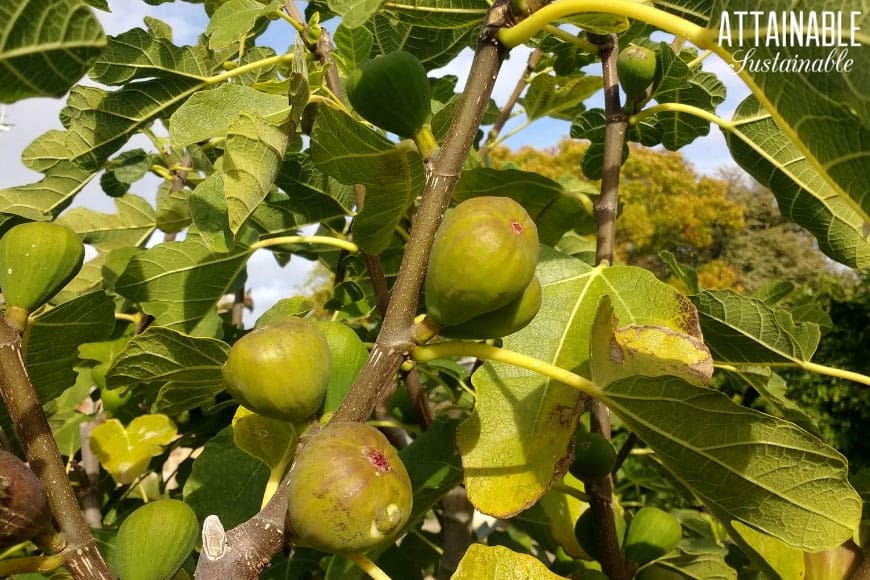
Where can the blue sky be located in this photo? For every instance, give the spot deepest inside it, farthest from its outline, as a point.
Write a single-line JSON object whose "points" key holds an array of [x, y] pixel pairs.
{"points": [[268, 281]]}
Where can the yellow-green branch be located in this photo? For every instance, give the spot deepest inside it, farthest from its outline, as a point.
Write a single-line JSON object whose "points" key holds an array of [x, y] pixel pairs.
{"points": [[807, 366], [322, 240], [523, 31], [689, 110], [246, 68], [458, 348]]}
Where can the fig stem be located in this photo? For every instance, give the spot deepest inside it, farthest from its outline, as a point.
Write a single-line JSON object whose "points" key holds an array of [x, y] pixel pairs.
{"points": [[368, 567], [426, 143]]}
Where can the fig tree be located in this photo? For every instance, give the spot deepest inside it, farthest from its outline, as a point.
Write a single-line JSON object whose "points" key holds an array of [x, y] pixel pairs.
{"points": [[594, 455], [392, 92], [636, 69], [483, 258], [280, 370], [37, 259], [652, 533], [503, 321], [348, 491]]}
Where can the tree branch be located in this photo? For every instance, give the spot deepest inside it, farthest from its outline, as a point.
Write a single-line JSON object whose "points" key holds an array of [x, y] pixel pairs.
{"points": [[600, 489], [80, 553], [244, 550]]}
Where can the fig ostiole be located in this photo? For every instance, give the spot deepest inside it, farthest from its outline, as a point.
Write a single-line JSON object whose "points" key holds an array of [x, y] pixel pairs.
{"points": [[503, 321], [483, 258], [652, 533], [636, 69], [280, 370], [37, 259], [348, 491], [24, 509], [392, 92]]}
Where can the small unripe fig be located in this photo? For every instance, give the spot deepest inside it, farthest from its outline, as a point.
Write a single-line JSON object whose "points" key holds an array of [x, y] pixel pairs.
{"points": [[636, 69], [503, 321], [24, 510], [155, 540], [652, 533], [392, 92], [37, 259], [585, 530], [483, 257], [594, 455], [280, 370], [348, 491]]}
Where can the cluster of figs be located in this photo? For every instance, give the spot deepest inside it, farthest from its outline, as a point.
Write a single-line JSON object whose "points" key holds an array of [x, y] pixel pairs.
{"points": [[348, 489]]}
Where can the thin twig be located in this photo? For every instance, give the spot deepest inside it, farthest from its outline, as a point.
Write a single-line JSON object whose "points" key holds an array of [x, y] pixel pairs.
{"points": [[505, 112]]}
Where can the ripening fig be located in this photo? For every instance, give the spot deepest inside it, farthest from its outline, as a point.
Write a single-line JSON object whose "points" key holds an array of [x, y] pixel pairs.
{"points": [[503, 321], [636, 69], [24, 510], [483, 257], [594, 455], [392, 91], [37, 259], [348, 491], [280, 370], [652, 533]]}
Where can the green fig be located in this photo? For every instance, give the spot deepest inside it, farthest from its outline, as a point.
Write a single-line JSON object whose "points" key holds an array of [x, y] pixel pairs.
{"points": [[280, 370], [24, 510], [37, 259], [652, 533], [392, 91], [594, 455], [347, 490], [636, 69], [585, 530], [483, 258], [155, 540], [503, 321]]}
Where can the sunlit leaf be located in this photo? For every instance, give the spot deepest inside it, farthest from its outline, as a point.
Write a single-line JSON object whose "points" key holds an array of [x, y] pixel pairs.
{"points": [[126, 452], [499, 562], [45, 47], [179, 282], [744, 465]]}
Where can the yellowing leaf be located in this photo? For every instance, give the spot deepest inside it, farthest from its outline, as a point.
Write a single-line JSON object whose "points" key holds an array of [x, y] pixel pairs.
{"points": [[126, 453], [498, 563], [651, 350]]}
